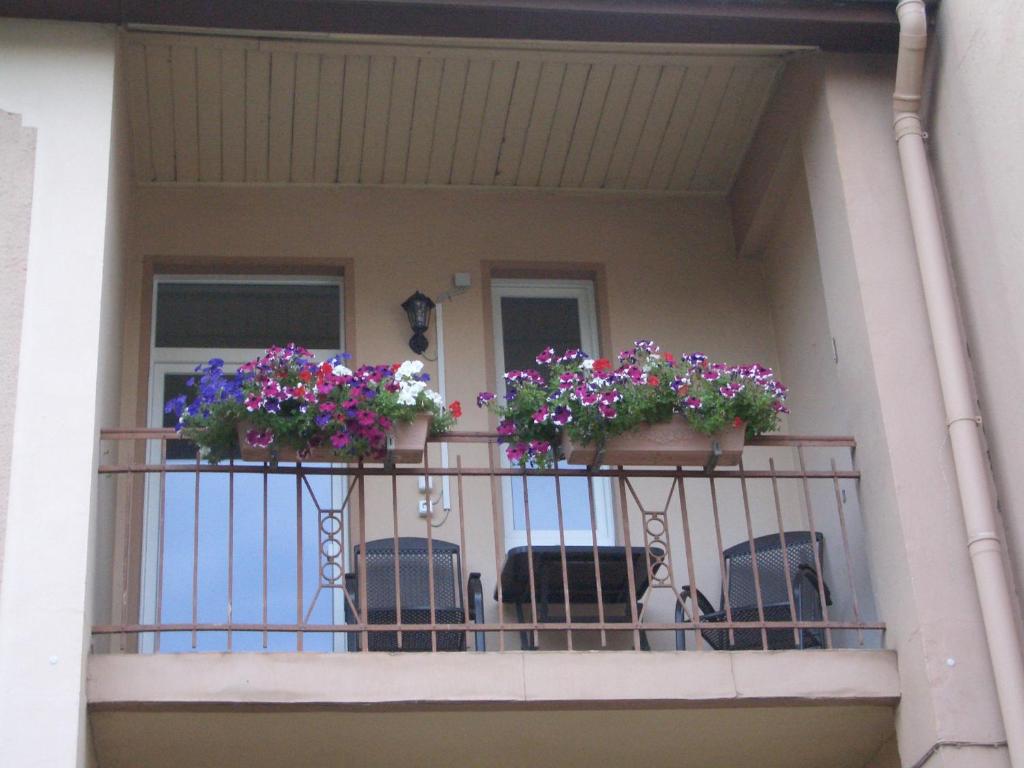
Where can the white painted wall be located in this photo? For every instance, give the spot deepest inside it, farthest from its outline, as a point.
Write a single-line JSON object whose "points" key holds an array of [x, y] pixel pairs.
{"points": [[975, 123], [60, 78], [17, 168]]}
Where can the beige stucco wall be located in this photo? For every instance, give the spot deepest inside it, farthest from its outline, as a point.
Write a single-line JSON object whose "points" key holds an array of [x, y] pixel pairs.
{"points": [[793, 277], [829, 129], [59, 78], [669, 262], [110, 370], [975, 121], [17, 169]]}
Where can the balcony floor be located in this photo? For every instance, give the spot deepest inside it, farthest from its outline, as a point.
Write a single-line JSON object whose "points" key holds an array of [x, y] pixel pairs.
{"points": [[813, 708]]}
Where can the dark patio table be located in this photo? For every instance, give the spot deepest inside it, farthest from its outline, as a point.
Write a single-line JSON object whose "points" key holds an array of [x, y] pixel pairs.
{"points": [[550, 588]]}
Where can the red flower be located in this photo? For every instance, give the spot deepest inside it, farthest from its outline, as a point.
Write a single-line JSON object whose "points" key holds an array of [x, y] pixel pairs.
{"points": [[737, 422], [670, 358], [653, 381], [305, 375], [456, 409], [395, 367], [601, 365]]}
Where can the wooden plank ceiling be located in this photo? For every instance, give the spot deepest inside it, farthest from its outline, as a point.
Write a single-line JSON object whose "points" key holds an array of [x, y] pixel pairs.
{"points": [[570, 116]]}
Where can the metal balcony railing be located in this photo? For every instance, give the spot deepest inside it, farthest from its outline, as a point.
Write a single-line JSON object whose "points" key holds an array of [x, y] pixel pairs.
{"points": [[314, 557]]}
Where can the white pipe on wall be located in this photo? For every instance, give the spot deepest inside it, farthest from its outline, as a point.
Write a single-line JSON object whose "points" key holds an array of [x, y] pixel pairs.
{"points": [[442, 390], [973, 472]]}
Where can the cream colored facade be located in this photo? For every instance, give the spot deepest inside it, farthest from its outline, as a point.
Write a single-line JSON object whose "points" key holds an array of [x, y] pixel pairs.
{"points": [[805, 262], [973, 121]]}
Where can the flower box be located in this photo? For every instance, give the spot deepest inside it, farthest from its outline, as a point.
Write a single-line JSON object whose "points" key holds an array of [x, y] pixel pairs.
{"points": [[273, 406], [671, 443], [652, 409], [406, 443]]}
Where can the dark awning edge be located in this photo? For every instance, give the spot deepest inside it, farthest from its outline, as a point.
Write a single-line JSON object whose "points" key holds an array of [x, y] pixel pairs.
{"points": [[850, 26]]}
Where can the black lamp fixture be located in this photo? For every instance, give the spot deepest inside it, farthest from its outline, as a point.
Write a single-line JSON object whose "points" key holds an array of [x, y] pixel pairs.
{"points": [[418, 307]]}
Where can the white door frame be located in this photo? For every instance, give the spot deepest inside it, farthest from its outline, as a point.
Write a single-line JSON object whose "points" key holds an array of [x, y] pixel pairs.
{"points": [[583, 292]]}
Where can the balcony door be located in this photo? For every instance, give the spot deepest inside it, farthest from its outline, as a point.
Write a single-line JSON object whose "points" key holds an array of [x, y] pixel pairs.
{"points": [[229, 549], [528, 316]]}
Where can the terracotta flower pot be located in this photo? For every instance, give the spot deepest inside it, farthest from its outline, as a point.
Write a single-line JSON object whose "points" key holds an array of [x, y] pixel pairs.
{"points": [[408, 441], [671, 443]]}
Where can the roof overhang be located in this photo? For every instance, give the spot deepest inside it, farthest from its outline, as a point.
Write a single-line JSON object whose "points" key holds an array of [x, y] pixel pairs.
{"points": [[857, 25]]}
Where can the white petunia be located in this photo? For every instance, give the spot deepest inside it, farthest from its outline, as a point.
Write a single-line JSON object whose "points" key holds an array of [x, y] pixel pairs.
{"points": [[341, 370], [408, 369], [413, 387]]}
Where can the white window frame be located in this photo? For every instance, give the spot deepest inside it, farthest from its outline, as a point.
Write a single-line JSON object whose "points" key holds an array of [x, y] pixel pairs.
{"points": [[555, 288], [171, 360]]}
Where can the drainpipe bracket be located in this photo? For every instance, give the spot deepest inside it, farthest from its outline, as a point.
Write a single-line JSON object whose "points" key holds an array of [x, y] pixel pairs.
{"points": [[907, 123], [975, 419], [982, 536]]}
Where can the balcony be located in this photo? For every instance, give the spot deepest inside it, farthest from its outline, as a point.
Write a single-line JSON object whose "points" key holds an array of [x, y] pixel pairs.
{"points": [[248, 562], [243, 556]]}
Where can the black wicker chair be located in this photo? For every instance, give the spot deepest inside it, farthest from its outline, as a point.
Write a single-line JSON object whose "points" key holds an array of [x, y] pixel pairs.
{"points": [[414, 559], [773, 571]]}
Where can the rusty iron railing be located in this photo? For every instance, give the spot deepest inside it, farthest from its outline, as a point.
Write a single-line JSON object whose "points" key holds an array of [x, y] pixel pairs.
{"points": [[242, 556]]}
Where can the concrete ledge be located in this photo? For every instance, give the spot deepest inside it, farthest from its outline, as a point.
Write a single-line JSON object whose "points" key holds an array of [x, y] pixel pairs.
{"points": [[531, 679]]}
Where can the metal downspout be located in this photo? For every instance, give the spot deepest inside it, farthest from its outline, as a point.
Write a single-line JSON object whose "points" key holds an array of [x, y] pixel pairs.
{"points": [[973, 472]]}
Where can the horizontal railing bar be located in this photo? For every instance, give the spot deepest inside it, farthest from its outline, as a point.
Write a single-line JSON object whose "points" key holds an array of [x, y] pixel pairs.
{"points": [[122, 469], [139, 433], [816, 441], [467, 436], [554, 626]]}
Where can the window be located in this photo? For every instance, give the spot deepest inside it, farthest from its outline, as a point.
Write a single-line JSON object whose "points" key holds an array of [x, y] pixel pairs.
{"points": [[529, 315]]}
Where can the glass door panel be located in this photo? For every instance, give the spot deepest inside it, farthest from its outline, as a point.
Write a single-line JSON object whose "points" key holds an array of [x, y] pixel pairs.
{"points": [[530, 315]]}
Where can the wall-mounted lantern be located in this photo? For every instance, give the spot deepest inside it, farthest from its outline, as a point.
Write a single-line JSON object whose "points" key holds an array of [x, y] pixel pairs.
{"points": [[418, 307]]}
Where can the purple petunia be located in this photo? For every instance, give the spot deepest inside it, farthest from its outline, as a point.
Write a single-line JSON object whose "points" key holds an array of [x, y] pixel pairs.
{"points": [[561, 416], [729, 391], [258, 438], [538, 447], [516, 452]]}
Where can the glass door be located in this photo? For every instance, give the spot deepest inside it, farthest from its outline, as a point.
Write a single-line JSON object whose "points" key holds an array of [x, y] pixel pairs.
{"points": [[530, 315], [233, 548]]}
